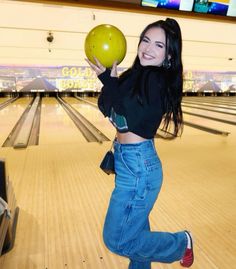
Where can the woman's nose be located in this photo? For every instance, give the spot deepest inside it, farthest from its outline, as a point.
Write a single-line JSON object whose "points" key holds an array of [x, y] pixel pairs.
{"points": [[148, 47]]}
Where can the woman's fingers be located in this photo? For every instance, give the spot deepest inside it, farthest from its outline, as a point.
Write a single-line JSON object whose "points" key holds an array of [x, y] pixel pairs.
{"points": [[97, 67], [100, 67], [93, 66], [114, 70], [98, 63]]}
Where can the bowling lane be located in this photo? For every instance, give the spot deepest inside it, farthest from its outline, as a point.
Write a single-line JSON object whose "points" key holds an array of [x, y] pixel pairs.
{"points": [[92, 99], [3, 99], [207, 107], [189, 131], [56, 127], [93, 115], [96, 117], [210, 123], [220, 104], [217, 115], [10, 115], [230, 101]]}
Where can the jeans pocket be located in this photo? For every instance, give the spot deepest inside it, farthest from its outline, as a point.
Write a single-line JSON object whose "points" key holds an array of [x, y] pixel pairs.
{"points": [[132, 162]]}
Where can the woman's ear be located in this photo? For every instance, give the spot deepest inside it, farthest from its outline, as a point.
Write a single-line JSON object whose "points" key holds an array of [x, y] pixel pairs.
{"points": [[167, 63]]}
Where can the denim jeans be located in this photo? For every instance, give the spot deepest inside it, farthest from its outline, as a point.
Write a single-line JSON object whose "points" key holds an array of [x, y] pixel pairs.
{"points": [[126, 230]]}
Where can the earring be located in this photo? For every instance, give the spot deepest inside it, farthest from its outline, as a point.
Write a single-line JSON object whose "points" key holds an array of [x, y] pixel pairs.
{"points": [[166, 63]]}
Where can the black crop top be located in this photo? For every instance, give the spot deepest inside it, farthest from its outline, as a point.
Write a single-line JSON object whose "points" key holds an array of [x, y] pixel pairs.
{"points": [[143, 115]]}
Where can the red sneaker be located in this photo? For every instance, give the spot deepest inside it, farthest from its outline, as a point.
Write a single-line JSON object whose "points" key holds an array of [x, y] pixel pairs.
{"points": [[188, 257]]}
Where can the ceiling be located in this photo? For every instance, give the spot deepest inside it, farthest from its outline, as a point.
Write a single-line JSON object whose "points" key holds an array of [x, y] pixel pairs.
{"points": [[208, 44]]}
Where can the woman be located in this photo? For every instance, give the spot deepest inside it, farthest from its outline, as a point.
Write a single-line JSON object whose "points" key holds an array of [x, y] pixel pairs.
{"points": [[137, 103]]}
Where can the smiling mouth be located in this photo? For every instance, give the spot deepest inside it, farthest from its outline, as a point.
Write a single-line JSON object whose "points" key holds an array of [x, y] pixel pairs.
{"points": [[147, 56]]}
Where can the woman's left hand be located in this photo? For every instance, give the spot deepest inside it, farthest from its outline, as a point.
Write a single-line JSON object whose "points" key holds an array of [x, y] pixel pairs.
{"points": [[98, 68]]}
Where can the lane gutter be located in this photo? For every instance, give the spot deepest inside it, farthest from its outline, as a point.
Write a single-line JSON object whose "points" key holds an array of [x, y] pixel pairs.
{"points": [[89, 131]]}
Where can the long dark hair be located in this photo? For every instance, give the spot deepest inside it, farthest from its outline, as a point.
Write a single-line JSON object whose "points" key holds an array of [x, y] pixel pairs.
{"points": [[173, 71]]}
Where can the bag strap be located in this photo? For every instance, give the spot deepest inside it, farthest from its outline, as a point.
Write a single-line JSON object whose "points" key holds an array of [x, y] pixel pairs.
{"points": [[112, 145]]}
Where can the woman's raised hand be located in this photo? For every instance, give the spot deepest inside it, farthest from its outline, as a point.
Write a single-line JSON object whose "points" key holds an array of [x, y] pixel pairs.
{"points": [[98, 68]]}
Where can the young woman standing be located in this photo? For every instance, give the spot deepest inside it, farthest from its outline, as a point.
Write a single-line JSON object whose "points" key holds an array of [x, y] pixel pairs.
{"points": [[144, 97]]}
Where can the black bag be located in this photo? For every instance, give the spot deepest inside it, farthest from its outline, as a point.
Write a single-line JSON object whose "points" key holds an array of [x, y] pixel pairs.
{"points": [[107, 164]]}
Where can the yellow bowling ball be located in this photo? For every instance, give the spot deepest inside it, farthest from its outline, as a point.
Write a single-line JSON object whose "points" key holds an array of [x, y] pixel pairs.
{"points": [[107, 43]]}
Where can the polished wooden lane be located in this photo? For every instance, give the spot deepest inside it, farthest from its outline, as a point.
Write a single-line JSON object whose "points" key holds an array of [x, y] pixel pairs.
{"points": [[4, 99], [55, 125], [226, 101], [92, 114], [213, 114], [85, 108], [97, 117], [209, 123], [10, 115], [63, 196]]}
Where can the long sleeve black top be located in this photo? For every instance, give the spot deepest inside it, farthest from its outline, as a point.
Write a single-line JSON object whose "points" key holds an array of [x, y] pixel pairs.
{"points": [[143, 111]]}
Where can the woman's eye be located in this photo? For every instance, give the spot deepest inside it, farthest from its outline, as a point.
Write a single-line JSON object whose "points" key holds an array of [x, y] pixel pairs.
{"points": [[160, 46]]}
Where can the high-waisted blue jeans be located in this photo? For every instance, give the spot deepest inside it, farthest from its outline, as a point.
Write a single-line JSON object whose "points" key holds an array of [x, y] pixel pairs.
{"points": [[126, 231]]}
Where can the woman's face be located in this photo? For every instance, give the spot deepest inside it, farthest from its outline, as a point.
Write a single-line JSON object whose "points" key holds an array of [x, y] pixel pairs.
{"points": [[152, 48]]}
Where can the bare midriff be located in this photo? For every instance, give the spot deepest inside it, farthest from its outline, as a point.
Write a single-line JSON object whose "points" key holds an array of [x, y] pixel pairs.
{"points": [[129, 138]]}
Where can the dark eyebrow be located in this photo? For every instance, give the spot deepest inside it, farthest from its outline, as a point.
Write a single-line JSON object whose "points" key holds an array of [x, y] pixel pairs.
{"points": [[157, 42]]}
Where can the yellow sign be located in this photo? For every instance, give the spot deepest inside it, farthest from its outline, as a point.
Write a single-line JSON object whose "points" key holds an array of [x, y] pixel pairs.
{"points": [[77, 72], [79, 78]]}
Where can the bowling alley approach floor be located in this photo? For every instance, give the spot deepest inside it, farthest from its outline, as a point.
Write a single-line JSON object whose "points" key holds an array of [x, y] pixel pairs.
{"points": [[63, 196]]}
